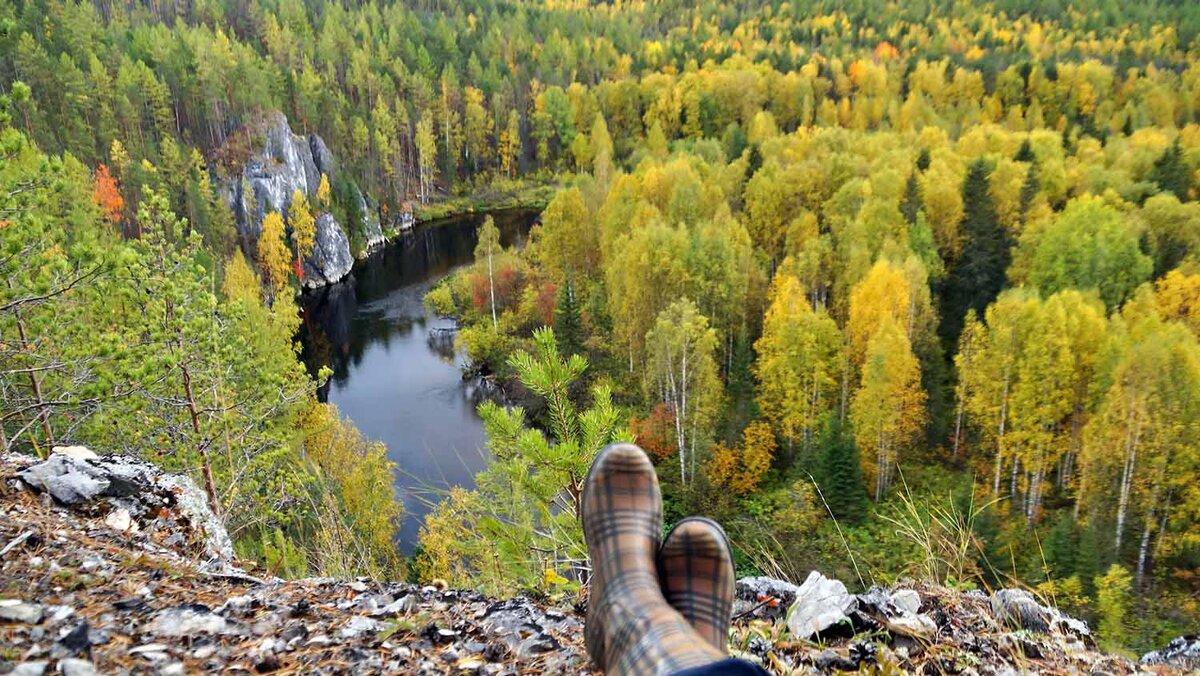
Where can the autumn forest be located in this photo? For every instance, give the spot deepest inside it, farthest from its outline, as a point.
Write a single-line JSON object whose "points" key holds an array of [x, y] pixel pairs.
{"points": [[891, 290]]}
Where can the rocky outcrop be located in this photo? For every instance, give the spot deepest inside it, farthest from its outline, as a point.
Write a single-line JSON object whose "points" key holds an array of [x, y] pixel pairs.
{"points": [[83, 592], [1181, 653], [133, 495], [330, 260], [113, 566], [279, 163]]}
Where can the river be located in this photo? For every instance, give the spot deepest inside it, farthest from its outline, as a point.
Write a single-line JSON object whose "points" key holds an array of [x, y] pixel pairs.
{"points": [[394, 373]]}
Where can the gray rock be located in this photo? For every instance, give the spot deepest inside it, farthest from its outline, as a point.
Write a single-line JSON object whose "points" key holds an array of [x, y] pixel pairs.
{"points": [[1181, 653], [912, 624], [29, 669], [358, 625], [820, 604], [16, 610], [1018, 608], [330, 260], [69, 480], [187, 621], [371, 228], [763, 598], [76, 667], [907, 600]]}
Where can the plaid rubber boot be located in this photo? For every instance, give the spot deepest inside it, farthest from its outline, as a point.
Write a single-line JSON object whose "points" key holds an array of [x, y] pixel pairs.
{"points": [[695, 569], [630, 627]]}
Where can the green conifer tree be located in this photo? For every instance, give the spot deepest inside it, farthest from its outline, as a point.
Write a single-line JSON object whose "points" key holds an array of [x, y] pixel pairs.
{"points": [[568, 319], [842, 486], [1171, 173], [977, 276]]}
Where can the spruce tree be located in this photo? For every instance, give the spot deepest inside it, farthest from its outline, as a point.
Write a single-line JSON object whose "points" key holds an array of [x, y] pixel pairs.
{"points": [[912, 198], [568, 320], [977, 276], [923, 160], [1029, 190], [842, 484], [1171, 173], [1025, 153]]}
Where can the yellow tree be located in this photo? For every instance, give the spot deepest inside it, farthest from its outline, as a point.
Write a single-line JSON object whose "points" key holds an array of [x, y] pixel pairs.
{"points": [[1178, 297], [324, 194], [273, 254], [895, 292], [888, 410], [304, 226], [741, 470], [799, 364], [682, 373], [568, 244], [1140, 453], [987, 362]]}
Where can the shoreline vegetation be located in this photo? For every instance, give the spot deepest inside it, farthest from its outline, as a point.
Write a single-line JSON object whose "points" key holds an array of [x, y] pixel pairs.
{"points": [[498, 196]]}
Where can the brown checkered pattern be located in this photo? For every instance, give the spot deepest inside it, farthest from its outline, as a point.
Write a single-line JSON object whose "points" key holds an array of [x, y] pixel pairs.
{"points": [[630, 627], [695, 569]]}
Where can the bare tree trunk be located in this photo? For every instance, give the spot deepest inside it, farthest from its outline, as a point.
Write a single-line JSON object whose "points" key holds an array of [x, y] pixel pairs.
{"points": [[1000, 437], [1142, 549], [1126, 480], [205, 467], [36, 384], [492, 287]]}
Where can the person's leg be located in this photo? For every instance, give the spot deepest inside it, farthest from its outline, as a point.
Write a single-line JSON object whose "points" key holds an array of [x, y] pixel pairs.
{"points": [[695, 570], [727, 667], [630, 628]]}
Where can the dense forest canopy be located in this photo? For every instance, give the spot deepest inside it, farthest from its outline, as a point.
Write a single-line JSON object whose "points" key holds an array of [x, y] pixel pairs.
{"points": [[888, 288]]}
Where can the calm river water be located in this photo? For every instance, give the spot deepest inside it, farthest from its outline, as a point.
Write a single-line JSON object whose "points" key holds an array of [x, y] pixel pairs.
{"points": [[394, 374]]}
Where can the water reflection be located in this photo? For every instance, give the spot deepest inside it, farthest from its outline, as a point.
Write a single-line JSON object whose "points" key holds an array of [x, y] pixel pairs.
{"points": [[395, 370]]}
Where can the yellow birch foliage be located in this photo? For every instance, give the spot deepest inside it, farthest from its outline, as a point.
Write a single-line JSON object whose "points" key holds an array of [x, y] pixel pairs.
{"points": [[273, 256], [1178, 297], [888, 410], [799, 362], [304, 226]]}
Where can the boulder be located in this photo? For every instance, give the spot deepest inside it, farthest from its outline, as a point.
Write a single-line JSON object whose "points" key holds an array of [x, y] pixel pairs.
{"points": [[68, 480], [1018, 609], [820, 604], [1181, 653], [134, 490]]}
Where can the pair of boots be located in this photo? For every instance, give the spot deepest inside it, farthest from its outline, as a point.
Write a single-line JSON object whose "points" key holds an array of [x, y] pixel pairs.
{"points": [[652, 609]]}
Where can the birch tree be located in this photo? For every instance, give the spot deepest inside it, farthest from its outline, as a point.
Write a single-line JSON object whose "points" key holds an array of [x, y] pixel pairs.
{"points": [[682, 373]]}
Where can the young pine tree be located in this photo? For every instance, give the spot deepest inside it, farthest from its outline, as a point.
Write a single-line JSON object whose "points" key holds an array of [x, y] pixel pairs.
{"points": [[842, 481]]}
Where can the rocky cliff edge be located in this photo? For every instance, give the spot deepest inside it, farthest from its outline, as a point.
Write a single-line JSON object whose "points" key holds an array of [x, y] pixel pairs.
{"points": [[109, 565]]}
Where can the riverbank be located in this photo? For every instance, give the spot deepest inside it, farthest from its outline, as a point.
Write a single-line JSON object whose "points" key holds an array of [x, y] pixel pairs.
{"points": [[499, 195]]}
